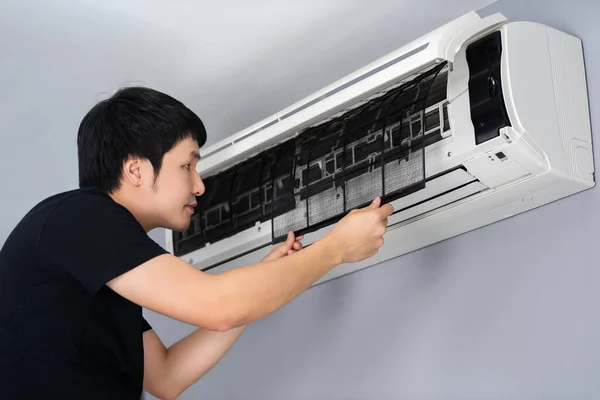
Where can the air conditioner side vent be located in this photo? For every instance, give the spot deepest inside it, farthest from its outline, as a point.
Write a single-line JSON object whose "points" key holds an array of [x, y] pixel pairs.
{"points": [[488, 111]]}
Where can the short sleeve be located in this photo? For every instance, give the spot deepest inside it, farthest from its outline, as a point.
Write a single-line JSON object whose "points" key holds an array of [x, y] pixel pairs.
{"points": [[145, 325], [95, 239]]}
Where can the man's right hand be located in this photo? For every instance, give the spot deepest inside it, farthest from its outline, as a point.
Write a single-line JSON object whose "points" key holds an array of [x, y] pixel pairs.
{"points": [[359, 234]]}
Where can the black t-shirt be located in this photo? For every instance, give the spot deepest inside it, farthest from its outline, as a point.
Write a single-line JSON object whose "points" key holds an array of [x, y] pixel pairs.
{"points": [[63, 332]]}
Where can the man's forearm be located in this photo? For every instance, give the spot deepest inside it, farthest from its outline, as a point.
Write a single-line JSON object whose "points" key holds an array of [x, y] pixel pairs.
{"points": [[255, 291], [190, 358]]}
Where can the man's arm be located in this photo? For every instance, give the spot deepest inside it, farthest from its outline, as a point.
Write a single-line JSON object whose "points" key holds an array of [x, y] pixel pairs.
{"points": [[168, 372], [172, 287]]}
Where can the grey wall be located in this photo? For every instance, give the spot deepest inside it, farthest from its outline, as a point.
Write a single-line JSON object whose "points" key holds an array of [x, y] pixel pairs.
{"points": [[506, 312]]}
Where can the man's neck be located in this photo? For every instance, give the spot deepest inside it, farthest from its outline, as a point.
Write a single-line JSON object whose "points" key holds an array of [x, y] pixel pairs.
{"points": [[130, 203]]}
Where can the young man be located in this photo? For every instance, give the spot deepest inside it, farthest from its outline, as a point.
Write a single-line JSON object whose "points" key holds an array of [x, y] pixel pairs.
{"points": [[78, 268]]}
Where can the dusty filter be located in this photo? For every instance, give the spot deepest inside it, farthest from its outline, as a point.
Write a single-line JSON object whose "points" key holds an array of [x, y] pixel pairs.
{"points": [[374, 150]]}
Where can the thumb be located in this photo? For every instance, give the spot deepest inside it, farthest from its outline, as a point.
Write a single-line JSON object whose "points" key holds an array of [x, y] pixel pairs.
{"points": [[289, 242], [282, 248], [376, 203]]}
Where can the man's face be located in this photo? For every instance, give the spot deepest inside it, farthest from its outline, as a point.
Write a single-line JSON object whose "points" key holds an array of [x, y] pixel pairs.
{"points": [[174, 193]]}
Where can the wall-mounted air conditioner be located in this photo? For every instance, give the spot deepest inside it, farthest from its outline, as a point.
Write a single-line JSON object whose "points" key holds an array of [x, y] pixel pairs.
{"points": [[474, 122]]}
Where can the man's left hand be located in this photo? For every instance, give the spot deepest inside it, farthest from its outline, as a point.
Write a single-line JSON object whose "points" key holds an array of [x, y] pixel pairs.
{"points": [[290, 246]]}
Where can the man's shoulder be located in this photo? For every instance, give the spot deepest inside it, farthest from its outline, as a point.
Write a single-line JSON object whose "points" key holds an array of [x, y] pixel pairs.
{"points": [[37, 215], [86, 209], [72, 201], [24, 236], [68, 207]]}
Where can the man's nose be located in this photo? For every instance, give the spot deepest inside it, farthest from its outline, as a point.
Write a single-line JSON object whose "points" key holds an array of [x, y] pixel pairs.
{"points": [[198, 186]]}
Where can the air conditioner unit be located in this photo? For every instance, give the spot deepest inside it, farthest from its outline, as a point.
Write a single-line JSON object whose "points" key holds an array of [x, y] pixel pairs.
{"points": [[477, 121]]}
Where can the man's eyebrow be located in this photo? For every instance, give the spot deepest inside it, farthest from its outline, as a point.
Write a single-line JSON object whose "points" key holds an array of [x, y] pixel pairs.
{"points": [[195, 155]]}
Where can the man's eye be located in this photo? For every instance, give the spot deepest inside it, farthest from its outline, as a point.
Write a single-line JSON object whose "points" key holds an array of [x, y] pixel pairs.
{"points": [[187, 166]]}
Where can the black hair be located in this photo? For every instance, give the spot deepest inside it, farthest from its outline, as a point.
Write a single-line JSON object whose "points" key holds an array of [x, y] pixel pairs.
{"points": [[135, 121]]}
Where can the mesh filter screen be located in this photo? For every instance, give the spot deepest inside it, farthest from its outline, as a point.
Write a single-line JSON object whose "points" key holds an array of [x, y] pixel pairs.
{"points": [[374, 150]]}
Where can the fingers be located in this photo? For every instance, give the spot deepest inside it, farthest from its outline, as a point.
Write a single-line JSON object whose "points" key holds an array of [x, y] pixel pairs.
{"points": [[376, 203], [297, 244], [290, 239], [385, 211], [292, 242]]}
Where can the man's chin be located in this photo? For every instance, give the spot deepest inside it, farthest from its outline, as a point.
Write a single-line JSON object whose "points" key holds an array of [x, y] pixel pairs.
{"points": [[179, 225]]}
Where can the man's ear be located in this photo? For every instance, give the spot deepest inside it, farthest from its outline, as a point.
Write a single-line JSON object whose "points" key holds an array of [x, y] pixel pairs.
{"points": [[132, 171]]}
